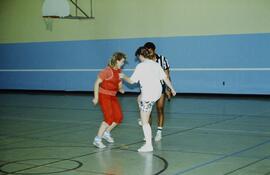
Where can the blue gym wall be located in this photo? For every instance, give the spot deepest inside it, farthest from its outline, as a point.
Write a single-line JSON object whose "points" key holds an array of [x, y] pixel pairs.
{"points": [[212, 46], [203, 64]]}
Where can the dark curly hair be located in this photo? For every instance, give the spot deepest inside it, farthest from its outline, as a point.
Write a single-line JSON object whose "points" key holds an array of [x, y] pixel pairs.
{"points": [[144, 52], [150, 45]]}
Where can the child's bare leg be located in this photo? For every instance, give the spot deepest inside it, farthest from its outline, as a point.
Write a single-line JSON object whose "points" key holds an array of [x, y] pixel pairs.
{"points": [[107, 133], [102, 129], [139, 119], [147, 132], [98, 139], [113, 125]]}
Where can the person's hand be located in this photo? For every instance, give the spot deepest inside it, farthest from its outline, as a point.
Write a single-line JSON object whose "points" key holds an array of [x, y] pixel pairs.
{"points": [[121, 75], [168, 94], [122, 91], [173, 92], [95, 101]]}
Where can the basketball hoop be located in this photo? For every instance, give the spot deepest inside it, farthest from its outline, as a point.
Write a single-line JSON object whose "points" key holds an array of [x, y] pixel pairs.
{"points": [[60, 9], [53, 9], [48, 23]]}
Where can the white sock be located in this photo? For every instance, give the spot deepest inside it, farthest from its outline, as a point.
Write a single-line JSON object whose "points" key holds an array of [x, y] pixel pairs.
{"points": [[97, 139], [159, 129], [107, 133], [147, 134]]}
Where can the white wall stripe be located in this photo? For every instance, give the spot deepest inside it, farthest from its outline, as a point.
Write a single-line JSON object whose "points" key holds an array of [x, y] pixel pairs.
{"points": [[220, 69], [171, 69], [50, 70]]}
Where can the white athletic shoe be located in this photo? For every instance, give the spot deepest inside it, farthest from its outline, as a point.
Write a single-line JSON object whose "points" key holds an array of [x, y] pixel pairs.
{"points": [[99, 144], [146, 148], [107, 137], [158, 136]]}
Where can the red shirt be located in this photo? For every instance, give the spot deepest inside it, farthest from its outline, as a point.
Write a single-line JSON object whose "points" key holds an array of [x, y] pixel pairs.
{"points": [[110, 81]]}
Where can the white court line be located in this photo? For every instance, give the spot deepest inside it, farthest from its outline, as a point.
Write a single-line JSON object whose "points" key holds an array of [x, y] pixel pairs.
{"points": [[172, 69]]}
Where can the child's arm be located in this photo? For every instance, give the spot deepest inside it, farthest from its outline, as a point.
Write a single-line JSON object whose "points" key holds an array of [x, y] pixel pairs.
{"points": [[167, 89], [96, 90], [126, 78], [169, 84], [121, 89]]}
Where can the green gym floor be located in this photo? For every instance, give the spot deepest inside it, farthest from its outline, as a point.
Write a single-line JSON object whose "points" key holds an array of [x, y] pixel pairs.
{"points": [[52, 133]]}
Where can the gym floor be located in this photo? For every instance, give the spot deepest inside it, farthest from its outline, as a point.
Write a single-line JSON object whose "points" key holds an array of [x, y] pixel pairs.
{"points": [[52, 133]]}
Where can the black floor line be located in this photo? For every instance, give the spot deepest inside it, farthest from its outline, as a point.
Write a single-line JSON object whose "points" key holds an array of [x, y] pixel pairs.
{"points": [[247, 165]]}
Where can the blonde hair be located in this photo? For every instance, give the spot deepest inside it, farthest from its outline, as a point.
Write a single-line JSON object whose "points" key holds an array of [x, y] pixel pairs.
{"points": [[117, 56]]}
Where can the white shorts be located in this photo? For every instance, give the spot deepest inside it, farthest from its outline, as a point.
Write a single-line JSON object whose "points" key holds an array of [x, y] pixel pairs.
{"points": [[146, 106]]}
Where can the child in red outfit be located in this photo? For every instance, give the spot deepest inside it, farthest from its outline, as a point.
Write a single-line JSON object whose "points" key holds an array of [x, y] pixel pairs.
{"points": [[107, 85]]}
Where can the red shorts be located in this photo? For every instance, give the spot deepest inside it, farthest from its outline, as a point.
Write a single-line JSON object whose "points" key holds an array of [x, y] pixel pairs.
{"points": [[111, 108]]}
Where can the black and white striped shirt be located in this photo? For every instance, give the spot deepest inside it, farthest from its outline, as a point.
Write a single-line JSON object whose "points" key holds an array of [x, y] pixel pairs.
{"points": [[163, 62]]}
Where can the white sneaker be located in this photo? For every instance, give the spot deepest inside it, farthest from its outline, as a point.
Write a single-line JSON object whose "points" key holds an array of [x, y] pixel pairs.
{"points": [[158, 136], [146, 148], [139, 121], [99, 144], [107, 137]]}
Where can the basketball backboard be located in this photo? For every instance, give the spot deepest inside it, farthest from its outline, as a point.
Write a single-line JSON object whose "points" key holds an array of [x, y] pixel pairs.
{"points": [[62, 9]]}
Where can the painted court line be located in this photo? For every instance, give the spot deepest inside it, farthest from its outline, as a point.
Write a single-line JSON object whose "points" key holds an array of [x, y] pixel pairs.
{"points": [[221, 158], [235, 131], [245, 166]]}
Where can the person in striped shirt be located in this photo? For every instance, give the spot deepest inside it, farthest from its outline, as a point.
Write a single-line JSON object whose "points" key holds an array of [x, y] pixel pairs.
{"points": [[166, 92]]}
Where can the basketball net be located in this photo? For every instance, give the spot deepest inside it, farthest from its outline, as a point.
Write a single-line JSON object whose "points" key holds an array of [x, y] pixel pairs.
{"points": [[48, 23], [54, 9]]}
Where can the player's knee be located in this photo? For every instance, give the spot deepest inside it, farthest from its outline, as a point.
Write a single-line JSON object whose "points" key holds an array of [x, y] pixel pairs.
{"points": [[109, 122]]}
